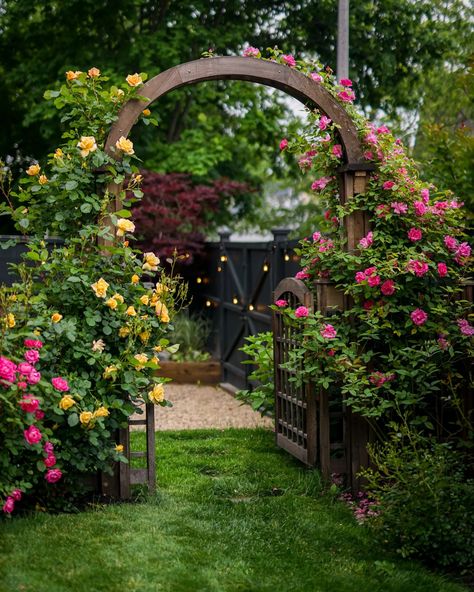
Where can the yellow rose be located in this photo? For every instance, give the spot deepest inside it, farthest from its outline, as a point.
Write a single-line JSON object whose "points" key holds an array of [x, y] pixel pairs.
{"points": [[119, 448], [161, 289], [144, 336], [94, 73], [158, 348], [157, 395], [134, 79], [155, 360], [151, 262], [101, 412], [146, 112], [135, 279], [87, 144], [111, 303], [124, 145], [131, 311], [56, 317], [66, 402], [85, 417], [110, 372], [124, 226], [118, 298], [145, 299], [70, 75], [33, 170], [124, 331], [162, 312], [142, 359], [58, 153], [43, 179], [100, 288], [10, 320]]}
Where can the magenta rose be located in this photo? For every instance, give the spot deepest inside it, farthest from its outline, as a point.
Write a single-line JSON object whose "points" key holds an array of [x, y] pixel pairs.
{"points": [[22, 385], [281, 303], [388, 288], [324, 122], [284, 144], [53, 475], [328, 332], [302, 275], [50, 460], [442, 269], [7, 370], [25, 369], [33, 343], [39, 415], [289, 60], [34, 377], [32, 356], [301, 312], [465, 327], [9, 505], [29, 404], [388, 185], [417, 267], [251, 52], [48, 448], [60, 384], [419, 316], [337, 151], [32, 435], [16, 494]]}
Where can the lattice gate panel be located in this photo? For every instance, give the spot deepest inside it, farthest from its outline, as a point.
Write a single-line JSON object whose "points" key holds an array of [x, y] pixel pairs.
{"points": [[295, 406]]}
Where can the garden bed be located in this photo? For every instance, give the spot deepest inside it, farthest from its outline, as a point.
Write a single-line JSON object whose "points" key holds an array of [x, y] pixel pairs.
{"points": [[208, 372]]}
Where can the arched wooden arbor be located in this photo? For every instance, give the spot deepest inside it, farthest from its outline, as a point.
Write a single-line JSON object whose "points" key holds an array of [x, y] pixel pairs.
{"points": [[302, 425]]}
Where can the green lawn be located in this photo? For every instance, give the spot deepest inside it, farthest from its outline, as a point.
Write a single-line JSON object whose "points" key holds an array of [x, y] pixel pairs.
{"points": [[233, 513]]}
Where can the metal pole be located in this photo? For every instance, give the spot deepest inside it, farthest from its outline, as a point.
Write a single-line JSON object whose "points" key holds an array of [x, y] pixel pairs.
{"points": [[342, 69]]}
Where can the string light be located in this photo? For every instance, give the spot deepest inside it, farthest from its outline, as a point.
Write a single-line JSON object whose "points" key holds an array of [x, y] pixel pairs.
{"points": [[265, 267], [223, 258], [286, 257], [219, 269], [208, 303], [250, 306], [235, 300], [198, 280]]}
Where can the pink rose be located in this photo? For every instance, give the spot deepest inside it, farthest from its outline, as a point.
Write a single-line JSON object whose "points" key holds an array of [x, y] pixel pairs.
{"points": [[360, 277], [368, 305], [39, 415], [399, 207], [60, 384], [451, 243], [462, 253], [324, 122], [417, 267], [9, 505], [50, 460], [32, 435], [34, 377], [368, 155], [16, 494], [29, 404], [415, 234], [32, 356], [284, 144], [345, 82], [281, 303], [22, 386], [442, 342], [442, 269], [388, 185], [373, 280], [251, 52], [301, 312], [425, 195], [316, 77], [33, 343], [53, 475], [388, 287], [289, 60], [419, 316], [316, 237], [328, 332], [7, 370], [337, 150], [420, 208], [367, 241], [465, 327], [383, 129], [48, 448], [25, 369], [346, 96], [371, 138], [320, 184], [302, 275], [331, 352]]}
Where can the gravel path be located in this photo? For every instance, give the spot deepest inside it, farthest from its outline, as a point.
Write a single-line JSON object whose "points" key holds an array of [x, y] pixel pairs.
{"points": [[196, 407]]}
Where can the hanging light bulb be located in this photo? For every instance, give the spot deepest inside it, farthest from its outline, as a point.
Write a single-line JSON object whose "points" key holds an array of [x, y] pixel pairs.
{"points": [[198, 280], [208, 303], [250, 306], [223, 258], [286, 257], [235, 300], [265, 267]]}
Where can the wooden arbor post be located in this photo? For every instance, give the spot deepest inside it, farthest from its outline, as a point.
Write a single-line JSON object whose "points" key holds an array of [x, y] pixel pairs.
{"points": [[353, 175]]}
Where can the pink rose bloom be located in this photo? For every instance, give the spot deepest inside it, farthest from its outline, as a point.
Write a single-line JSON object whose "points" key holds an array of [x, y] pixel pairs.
{"points": [[32, 356], [50, 460], [289, 60], [345, 82], [382, 210], [324, 122], [320, 184], [251, 52], [53, 475], [316, 77], [16, 494], [346, 96], [39, 415], [60, 384], [383, 129], [7, 370], [302, 275], [32, 435], [417, 267], [301, 312], [360, 277], [368, 155], [281, 303], [25, 369], [371, 138], [368, 305], [415, 234], [328, 332], [399, 207], [331, 352], [373, 280], [462, 252], [367, 241], [337, 150], [22, 385], [420, 208], [9, 505], [370, 270], [388, 287], [305, 163], [451, 243], [316, 236], [33, 343], [442, 342], [29, 404], [284, 144], [419, 316], [425, 195], [465, 327], [388, 185], [34, 377], [48, 448], [442, 269]]}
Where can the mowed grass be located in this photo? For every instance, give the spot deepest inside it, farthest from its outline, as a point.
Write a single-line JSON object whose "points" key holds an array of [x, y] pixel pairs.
{"points": [[232, 513]]}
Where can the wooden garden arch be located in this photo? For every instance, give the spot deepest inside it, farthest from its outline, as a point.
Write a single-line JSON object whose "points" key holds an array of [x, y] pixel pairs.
{"points": [[353, 176]]}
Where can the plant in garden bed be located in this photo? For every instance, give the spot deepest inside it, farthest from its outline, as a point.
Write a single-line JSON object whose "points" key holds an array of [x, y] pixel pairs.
{"points": [[99, 326], [190, 333], [259, 349]]}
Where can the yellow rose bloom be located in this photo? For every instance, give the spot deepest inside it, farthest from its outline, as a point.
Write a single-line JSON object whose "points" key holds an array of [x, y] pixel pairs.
{"points": [[146, 112], [110, 372], [155, 360], [131, 311], [100, 288], [70, 75], [118, 298], [111, 303], [10, 320], [124, 226], [158, 348], [101, 412], [87, 145], [85, 417], [162, 312], [135, 279], [124, 331], [66, 402], [145, 299], [33, 170], [43, 179], [142, 359], [58, 153], [151, 262], [161, 289], [144, 336], [157, 395], [124, 145], [56, 317], [134, 79], [93, 73], [119, 448]]}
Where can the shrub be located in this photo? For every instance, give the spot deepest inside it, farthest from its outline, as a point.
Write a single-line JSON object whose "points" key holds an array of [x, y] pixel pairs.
{"points": [[259, 349], [191, 332]]}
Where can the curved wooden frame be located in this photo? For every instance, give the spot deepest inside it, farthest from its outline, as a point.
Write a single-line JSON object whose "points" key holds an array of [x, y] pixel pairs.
{"points": [[253, 70]]}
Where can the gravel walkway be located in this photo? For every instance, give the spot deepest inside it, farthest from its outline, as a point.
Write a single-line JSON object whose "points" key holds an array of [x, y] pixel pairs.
{"points": [[196, 407]]}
